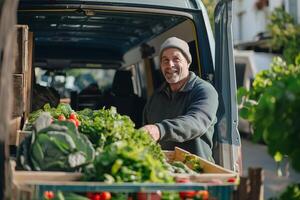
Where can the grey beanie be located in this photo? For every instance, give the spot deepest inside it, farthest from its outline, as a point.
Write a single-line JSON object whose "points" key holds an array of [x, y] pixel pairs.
{"points": [[174, 42]]}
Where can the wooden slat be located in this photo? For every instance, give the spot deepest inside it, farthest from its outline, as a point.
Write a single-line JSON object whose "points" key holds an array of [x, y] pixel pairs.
{"points": [[18, 95], [15, 125], [28, 74], [27, 176]]}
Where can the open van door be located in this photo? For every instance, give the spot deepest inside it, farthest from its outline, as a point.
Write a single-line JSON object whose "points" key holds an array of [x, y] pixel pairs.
{"points": [[228, 143]]}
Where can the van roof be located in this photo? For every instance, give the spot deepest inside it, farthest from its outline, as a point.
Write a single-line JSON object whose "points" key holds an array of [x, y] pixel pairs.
{"points": [[88, 31], [187, 4]]}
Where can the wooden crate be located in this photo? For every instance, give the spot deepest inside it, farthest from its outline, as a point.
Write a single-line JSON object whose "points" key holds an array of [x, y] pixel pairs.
{"points": [[14, 128], [18, 95], [211, 172], [21, 177], [23, 72]]}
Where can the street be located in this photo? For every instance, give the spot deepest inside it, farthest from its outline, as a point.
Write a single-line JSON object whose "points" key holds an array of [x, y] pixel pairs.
{"points": [[255, 155]]}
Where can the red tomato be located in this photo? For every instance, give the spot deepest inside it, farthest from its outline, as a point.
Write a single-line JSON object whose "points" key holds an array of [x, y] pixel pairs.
{"points": [[73, 121], [97, 196], [73, 116], [48, 195], [187, 194], [105, 196], [90, 195], [77, 122], [61, 117], [231, 180], [183, 180], [204, 194]]}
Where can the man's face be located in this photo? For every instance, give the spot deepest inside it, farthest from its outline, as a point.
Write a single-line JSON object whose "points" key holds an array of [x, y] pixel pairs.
{"points": [[174, 65]]}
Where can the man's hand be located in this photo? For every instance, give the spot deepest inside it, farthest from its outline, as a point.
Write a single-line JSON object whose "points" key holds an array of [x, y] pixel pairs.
{"points": [[152, 130]]}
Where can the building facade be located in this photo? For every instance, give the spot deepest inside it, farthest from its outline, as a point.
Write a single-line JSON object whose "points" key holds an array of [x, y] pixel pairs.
{"points": [[250, 17]]}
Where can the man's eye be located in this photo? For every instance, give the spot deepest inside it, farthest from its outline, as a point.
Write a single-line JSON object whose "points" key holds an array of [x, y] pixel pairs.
{"points": [[176, 59], [165, 61]]}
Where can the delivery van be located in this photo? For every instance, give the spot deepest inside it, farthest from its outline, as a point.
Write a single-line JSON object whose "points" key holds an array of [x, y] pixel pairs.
{"points": [[95, 53]]}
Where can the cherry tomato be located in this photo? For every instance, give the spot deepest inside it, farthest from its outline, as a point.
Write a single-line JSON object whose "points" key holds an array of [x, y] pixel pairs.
{"points": [[72, 116], [231, 180], [105, 196], [204, 194], [49, 195], [183, 180], [61, 117], [77, 122], [187, 194], [73, 121]]}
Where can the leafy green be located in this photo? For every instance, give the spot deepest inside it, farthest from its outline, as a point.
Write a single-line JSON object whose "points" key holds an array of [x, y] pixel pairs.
{"points": [[62, 109], [104, 127], [121, 162]]}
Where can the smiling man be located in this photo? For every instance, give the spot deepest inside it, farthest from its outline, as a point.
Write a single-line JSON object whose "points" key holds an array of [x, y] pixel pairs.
{"points": [[182, 112]]}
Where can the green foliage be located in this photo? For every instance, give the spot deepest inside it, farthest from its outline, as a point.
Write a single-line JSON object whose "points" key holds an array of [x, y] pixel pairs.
{"points": [[273, 108], [104, 127], [285, 34], [123, 162], [292, 192], [62, 108]]}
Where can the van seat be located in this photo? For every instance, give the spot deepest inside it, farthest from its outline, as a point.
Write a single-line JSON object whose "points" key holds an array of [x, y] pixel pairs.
{"points": [[122, 97]]}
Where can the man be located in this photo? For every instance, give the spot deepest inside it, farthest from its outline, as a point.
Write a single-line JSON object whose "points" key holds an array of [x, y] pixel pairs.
{"points": [[182, 112]]}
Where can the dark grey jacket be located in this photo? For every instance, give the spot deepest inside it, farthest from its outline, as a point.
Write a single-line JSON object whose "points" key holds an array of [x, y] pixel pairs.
{"points": [[186, 118]]}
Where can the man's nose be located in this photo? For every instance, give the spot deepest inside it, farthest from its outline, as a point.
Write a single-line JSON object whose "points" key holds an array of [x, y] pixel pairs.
{"points": [[171, 63]]}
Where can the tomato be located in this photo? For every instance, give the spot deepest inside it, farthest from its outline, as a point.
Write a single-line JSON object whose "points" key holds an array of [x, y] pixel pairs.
{"points": [[231, 180], [73, 121], [187, 194], [72, 116], [90, 195], [96, 196], [77, 122], [183, 180], [49, 195], [204, 194], [105, 196], [61, 117]]}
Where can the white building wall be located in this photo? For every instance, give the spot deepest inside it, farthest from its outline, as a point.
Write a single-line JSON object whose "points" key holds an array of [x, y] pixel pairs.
{"points": [[248, 21]]}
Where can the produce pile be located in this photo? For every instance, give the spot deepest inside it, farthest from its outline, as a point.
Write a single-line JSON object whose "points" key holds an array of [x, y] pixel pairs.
{"points": [[103, 144]]}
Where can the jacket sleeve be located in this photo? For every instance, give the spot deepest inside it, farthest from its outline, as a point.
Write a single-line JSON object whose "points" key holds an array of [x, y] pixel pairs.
{"points": [[199, 117], [145, 111]]}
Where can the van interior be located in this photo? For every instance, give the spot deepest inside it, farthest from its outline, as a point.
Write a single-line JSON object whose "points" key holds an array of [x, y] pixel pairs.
{"points": [[101, 58]]}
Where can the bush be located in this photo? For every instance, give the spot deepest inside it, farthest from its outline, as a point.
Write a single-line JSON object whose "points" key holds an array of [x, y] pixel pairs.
{"points": [[273, 108]]}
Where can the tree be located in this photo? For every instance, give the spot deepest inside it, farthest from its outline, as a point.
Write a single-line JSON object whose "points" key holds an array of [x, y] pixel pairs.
{"points": [[210, 7], [285, 34]]}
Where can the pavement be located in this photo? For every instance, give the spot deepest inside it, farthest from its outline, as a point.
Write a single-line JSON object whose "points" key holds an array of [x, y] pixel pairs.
{"points": [[255, 155]]}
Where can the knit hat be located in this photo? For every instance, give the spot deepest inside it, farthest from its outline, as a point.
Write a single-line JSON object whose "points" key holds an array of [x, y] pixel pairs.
{"points": [[174, 42]]}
